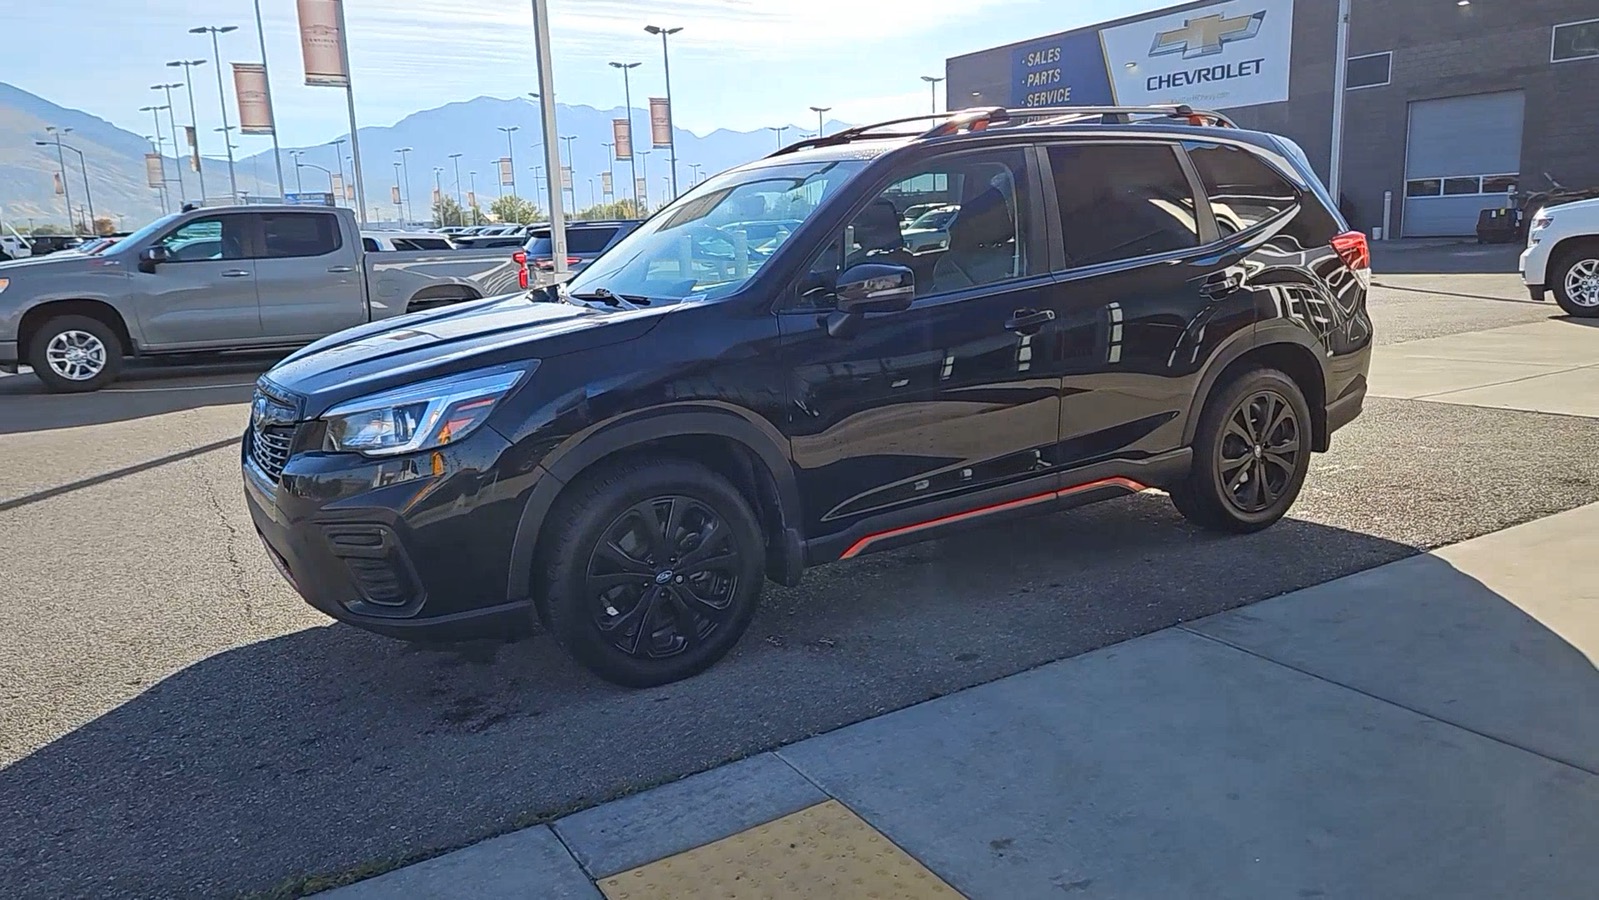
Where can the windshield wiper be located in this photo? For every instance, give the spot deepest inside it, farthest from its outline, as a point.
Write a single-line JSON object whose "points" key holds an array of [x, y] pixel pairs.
{"points": [[610, 298]]}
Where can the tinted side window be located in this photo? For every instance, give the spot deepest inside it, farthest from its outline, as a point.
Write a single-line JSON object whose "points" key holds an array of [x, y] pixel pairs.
{"points": [[1244, 191], [213, 237], [300, 234], [1122, 201], [370, 245], [588, 240]]}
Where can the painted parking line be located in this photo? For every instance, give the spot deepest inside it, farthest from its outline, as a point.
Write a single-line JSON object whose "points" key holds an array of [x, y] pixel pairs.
{"points": [[821, 851]]}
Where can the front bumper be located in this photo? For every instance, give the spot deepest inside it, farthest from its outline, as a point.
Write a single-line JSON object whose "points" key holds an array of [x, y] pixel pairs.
{"points": [[414, 547], [1534, 265]]}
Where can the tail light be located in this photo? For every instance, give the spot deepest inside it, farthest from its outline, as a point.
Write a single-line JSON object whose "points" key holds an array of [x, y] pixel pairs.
{"points": [[520, 258], [1352, 248]]}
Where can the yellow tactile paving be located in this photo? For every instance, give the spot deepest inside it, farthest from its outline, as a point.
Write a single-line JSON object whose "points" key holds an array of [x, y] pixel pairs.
{"points": [[824, 851]]}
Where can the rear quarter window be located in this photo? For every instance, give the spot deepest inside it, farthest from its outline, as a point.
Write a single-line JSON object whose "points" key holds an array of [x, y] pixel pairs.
{"points": [[1244, 190]]}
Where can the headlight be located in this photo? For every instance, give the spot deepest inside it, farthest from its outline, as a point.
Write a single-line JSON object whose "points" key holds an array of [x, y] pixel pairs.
{"points": [[419, 416]]}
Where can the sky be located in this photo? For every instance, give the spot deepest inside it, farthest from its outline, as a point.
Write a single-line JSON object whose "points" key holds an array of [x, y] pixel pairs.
{"points": [[741, 64]]}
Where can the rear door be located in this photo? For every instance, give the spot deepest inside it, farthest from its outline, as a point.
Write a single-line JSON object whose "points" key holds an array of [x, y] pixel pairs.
{"points": [[1142, 296], [205, 294], [308, 276]]}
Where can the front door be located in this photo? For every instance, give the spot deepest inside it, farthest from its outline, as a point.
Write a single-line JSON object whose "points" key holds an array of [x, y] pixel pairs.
{"points": [[310, 278], [204, 294], [952, 401]]}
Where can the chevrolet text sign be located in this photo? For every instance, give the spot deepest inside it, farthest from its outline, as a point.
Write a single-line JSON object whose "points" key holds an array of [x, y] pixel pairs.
{"points": [[1225, 56], [1222, 56]]}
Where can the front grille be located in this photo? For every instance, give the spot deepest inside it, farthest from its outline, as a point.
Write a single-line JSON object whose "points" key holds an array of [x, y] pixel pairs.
{"points": [[269, 447]]}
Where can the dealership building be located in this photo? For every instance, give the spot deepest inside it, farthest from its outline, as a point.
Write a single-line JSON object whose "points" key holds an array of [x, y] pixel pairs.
{"points": [[1449, 105]]}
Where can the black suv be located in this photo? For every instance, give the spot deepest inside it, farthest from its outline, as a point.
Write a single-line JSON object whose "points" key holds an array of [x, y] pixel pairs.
{"points": [[585, 242], [1129, 299]]}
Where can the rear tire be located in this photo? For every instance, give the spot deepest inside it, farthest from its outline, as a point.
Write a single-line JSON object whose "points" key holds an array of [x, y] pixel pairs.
{"points": [[1251, 453], [1575, 281], [74, 354], [655, 571]]}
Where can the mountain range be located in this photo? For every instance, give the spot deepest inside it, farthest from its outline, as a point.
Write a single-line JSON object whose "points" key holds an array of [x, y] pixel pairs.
{"points": [[472, 128]]}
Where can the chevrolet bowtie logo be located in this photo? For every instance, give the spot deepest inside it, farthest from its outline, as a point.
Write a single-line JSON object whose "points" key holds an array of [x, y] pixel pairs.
{"points": [[1206, 36]]}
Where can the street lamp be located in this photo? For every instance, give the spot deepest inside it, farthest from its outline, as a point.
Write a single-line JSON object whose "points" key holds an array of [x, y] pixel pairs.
{"points": [[473, 176], [779, 129], [455, 158], [932, 87], [819, 110], [82, 163], [338, 156], [627, 97], [610, 164], [671, 132], [222, 96], [295, 155], [66, 186], [696, 168], [194, 120], [399, 196], [172, 123], [438, 196], [510, 151], [266, 81], [155, 113], [571, 164], [156, 140], [405, 166]]}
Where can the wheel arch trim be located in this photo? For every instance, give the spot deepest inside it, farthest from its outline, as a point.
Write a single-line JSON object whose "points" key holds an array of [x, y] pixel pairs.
{"points": [[1274, 332]]}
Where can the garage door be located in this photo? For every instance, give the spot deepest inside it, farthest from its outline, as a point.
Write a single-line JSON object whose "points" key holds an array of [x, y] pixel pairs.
{"points": [[1463, 154]]}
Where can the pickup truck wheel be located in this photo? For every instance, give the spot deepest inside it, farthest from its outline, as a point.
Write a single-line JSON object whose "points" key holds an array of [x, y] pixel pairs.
{"points": [[1576, 282], [655, 573], [73, 354]]}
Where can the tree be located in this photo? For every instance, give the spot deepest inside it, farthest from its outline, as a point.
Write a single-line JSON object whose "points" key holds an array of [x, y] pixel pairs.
{"points": [[447, 212], [511, 208], [104, 225], [618, 209]]}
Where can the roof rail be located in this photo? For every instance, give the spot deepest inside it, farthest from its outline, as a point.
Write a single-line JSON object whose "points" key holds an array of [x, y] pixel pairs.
{"points": [[982, 117]]}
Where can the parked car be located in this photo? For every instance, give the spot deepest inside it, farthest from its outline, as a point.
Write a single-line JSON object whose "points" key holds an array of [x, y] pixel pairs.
{"points": [[912, 213], [389, 241], [496, 237], [630, 461], [46, 244], [585, 241], [216, 279], [14, 247], [1562, 257], [930, 230]]}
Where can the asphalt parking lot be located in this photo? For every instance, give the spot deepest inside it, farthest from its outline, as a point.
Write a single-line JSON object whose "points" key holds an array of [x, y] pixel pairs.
{"points": [[174, 721]]}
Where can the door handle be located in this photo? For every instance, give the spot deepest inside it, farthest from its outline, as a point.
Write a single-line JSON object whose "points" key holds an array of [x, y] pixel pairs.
{"points": [[236, 273], [341, 269], [1029, 321], [1222, 283]]}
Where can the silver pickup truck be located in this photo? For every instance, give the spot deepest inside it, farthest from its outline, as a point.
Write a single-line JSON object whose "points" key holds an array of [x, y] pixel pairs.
{"points": [[219, 279]]}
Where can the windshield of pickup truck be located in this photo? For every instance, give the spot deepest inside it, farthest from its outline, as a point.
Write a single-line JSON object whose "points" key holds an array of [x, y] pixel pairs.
{"points": [[711, 241], [148, 231]]}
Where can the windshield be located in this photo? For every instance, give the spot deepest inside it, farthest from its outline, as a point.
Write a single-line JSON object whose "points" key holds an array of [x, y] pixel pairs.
{"points": [[715, 238], [145, 233]]}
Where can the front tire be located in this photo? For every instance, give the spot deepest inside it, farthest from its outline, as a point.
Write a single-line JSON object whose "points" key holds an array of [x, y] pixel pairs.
{"points": [[1251, 453], [655, 572], [74, 354], [1576, 282]]}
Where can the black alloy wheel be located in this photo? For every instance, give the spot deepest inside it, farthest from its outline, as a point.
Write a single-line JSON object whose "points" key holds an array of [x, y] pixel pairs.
{"points": [[663, 577], [1260, 451], [653, 570], [1252, 449]]}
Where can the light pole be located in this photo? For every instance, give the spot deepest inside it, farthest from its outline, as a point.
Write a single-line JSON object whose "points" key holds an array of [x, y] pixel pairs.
{"points": [[295, 155], [438, 196], [61, 158], [570, 166], [161, 188], [172, 124], [194, 120], [932, 88], [1335, 167], [645, 156], [610, 165], [82, 163], [155, 114], [627, 98], [222, 98], [779, 129], [544, 58], [696, 168], [591, 192], [399, 195], [455, 159], [671, 132], [405, 167], [819, 110], [325, 171], [510, 151], [473, 183], [266, 80], [338, 158]]}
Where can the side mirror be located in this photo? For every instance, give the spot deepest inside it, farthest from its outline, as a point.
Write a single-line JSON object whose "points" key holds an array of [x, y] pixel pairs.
{"points": [[876, 288], [150, 257]]}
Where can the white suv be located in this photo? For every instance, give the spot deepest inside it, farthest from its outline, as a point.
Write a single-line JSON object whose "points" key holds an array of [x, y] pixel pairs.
{"points": [[1563, 256], [14, 247]]}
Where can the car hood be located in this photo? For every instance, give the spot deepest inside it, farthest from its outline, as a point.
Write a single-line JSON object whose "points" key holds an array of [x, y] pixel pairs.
{"points": [[407, 349], [54, 263]]}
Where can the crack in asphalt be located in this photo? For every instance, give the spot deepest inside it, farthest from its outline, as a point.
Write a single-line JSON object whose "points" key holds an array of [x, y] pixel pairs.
{"points": [[230, 541]]}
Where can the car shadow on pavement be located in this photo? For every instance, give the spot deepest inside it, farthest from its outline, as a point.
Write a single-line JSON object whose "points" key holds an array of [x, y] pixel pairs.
{"points": [[144, 389], [289, 763]]}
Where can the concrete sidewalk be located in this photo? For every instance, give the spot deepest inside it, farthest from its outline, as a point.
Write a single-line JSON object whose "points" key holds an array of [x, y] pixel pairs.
{"points": [[1429, 728]]}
